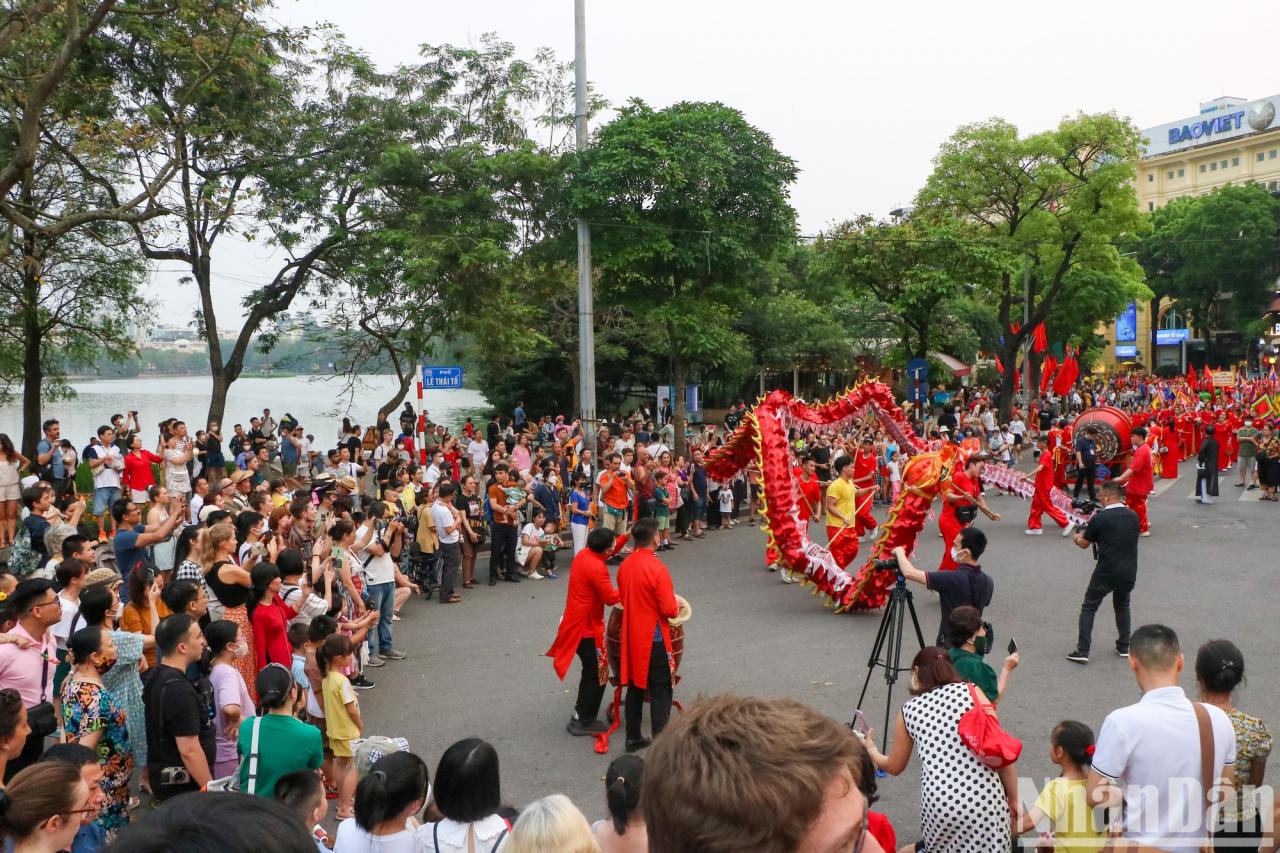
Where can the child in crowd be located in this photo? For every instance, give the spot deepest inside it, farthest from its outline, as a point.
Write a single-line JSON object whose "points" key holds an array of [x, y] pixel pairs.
{"points": [[895, 474], [341, 717], [551, 543], [302, 793], [320, 629], [1063, 799], [297, 634], [726, 505], [662, 510]]}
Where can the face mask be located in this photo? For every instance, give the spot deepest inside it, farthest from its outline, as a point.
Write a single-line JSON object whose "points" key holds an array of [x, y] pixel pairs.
{"points": [[117, 610], [956, 552], [915, 682], [982, 645], [239, 650], [104, 664]]}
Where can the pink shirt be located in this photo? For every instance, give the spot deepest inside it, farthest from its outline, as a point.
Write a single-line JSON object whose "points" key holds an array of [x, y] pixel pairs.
{"points": [[22, 669]]}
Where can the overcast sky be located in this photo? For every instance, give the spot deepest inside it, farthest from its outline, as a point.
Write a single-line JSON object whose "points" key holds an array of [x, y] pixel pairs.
{"points": [[861, 94]]}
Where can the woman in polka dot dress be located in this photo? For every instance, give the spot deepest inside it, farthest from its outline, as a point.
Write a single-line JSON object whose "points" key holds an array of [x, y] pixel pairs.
{"points": [[964, 805]]}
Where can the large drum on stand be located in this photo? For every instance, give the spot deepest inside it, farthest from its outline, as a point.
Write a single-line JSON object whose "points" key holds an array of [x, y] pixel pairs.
{"points": [[613, 640], [1114, 433]]}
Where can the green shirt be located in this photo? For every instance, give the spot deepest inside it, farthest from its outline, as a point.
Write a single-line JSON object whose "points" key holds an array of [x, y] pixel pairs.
{"points": [[285, 744], [973, 669], [1247, 448], [661, 495]]}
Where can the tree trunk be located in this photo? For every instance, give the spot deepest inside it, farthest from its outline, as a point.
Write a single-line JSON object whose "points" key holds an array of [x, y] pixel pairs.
{"points": [[406, 380], [33, 370], [1009, 358], [681, 376], [1033, 387]]}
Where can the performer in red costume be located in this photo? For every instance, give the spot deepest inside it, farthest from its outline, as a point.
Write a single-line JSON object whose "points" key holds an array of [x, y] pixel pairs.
{"points": [[1138, 480], [1223, 428], [1235, 421], [965, 494], [1040, 502], [865, 464], [1186, 434], [1170, 449], [1060, 450], [648, 601], [582, 628]]}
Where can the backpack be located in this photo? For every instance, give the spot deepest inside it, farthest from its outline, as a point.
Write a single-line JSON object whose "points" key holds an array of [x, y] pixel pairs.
{"points": [[23, 559], [371, 438]]}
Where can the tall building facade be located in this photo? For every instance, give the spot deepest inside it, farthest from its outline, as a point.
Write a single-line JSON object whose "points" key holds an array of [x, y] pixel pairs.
{"points": [[1230, 141]]}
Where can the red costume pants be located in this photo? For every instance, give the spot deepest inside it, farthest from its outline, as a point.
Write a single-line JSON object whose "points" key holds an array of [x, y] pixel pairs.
{"points": [[1138, 503], [864, 520], [843, 544], [950, 528], [1040, 505]]}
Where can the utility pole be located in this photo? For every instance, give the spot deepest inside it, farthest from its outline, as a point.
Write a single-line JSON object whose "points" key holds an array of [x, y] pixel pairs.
{"points": [[1026, 321], [586, 311]]}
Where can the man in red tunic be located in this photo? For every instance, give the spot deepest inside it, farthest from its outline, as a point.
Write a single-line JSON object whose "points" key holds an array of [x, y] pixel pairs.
{"points": [[1138, 480], [582, 628], [865, 464], [1059, 449], [648, 601], [965, 491], [1040, 502]]}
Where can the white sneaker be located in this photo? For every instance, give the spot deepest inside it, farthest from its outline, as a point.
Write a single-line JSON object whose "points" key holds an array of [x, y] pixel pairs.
{"points": [[1034, 532], [535, 577], [1066, 531], [787, 577]]}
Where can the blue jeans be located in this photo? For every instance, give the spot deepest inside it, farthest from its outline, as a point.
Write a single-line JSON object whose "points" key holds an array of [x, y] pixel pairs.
{"points": [[103, 499], [382, 598]]}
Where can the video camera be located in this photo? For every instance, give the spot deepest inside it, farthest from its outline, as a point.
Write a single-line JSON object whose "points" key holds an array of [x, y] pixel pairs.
{"points": [[888, 565], [1085, 506]]}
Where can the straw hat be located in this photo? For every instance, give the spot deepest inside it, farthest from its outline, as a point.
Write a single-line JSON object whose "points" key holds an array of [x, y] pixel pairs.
{"points": [[349, 483], [102, 577], [238, 475]]}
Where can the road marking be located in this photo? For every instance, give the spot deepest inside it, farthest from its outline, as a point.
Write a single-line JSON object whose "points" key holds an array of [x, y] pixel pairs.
{"points": [[1162, 485]]}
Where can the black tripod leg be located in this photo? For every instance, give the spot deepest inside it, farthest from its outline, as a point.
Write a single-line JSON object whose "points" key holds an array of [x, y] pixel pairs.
{"points": [[915, 621], [874, 658]]}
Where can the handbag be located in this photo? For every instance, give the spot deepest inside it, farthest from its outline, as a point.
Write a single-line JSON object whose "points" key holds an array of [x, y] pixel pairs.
{"points": [[41, 717], [1117, 844], [232, 782], [980, 730]]}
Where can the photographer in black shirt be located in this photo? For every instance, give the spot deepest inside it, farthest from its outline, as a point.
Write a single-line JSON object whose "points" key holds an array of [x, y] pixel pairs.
{"points": [[964, 585], [1113, 533]]}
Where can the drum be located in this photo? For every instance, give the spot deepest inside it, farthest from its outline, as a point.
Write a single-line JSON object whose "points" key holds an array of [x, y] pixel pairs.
{"points": [[1115, 432], [613, 640]]}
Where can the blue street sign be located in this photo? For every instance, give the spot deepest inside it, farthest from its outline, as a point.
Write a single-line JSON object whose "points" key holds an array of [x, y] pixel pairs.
{"points": [[441, 377], [918, 380]]}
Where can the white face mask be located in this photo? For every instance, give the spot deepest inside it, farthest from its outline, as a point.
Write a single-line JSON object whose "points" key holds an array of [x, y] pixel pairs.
{"points": [[956, 551], [915, 681], [239, 650]]}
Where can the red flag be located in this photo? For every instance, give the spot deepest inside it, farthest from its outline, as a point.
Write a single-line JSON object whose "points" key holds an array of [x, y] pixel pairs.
{"points": [[1040, 340], [1015, 327], [1017, 379], [1066, 375], [1192, 382], [999, 366], [1046, 373]]}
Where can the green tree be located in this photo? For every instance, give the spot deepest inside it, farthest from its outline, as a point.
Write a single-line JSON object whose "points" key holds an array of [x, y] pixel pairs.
{"points": [[685, 204], [1050, 208], [1215, 254]]}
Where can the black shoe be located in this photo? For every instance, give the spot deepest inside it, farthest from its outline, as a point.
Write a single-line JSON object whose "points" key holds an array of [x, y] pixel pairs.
{"points": [[493, 581], [361, 683], [1124, 653], [1077, 656], [512, 578], [592, 727], [637, 745]]}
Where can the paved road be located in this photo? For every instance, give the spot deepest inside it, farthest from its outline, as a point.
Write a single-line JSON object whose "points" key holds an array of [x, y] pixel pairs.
{"points": [[477, 668]]}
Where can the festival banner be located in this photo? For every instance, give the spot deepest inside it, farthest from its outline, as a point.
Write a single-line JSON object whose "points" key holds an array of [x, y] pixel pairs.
{"points": [[1222, 378], [1261, 407]]}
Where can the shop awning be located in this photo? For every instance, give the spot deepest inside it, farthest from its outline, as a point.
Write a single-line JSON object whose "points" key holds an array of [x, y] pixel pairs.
{"points": [[955, 365]]}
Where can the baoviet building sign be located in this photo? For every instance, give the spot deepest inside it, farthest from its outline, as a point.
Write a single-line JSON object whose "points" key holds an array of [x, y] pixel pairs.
{"points": [[1223, 123]]}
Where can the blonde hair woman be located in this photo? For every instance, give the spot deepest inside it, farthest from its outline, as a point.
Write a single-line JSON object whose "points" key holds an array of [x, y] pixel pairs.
{"points": [[552, 825]]}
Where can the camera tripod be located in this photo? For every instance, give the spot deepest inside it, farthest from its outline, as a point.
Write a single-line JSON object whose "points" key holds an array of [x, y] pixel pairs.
{"points": [[887, 651]]}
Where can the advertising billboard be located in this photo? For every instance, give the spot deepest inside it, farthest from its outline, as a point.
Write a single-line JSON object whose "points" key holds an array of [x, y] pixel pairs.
{"points": [[1230, 123]]}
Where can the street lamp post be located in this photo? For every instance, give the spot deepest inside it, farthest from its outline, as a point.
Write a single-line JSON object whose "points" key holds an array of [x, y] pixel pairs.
{"points": [[586, 311]]}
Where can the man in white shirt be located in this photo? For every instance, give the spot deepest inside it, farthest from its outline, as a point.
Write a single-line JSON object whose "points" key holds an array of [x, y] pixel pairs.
{"points": [[106, 462], [448, 521], [432, 475], [478, 450], [1149, 757], [377, 543]]}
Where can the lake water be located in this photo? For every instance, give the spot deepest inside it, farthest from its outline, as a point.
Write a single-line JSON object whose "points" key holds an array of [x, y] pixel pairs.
{"points": [[318, 404]]}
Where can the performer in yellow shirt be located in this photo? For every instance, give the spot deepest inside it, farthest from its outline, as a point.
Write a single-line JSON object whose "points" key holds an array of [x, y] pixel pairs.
{"points": [[841, 502]]}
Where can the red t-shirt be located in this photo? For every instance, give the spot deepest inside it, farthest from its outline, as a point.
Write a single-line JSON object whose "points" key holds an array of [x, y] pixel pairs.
{"points": [[1142, 481], [810, 492], [270, 638]]}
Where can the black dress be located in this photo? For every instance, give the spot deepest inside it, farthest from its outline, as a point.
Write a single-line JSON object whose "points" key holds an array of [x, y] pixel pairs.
{"points": [[1207, 469]]}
